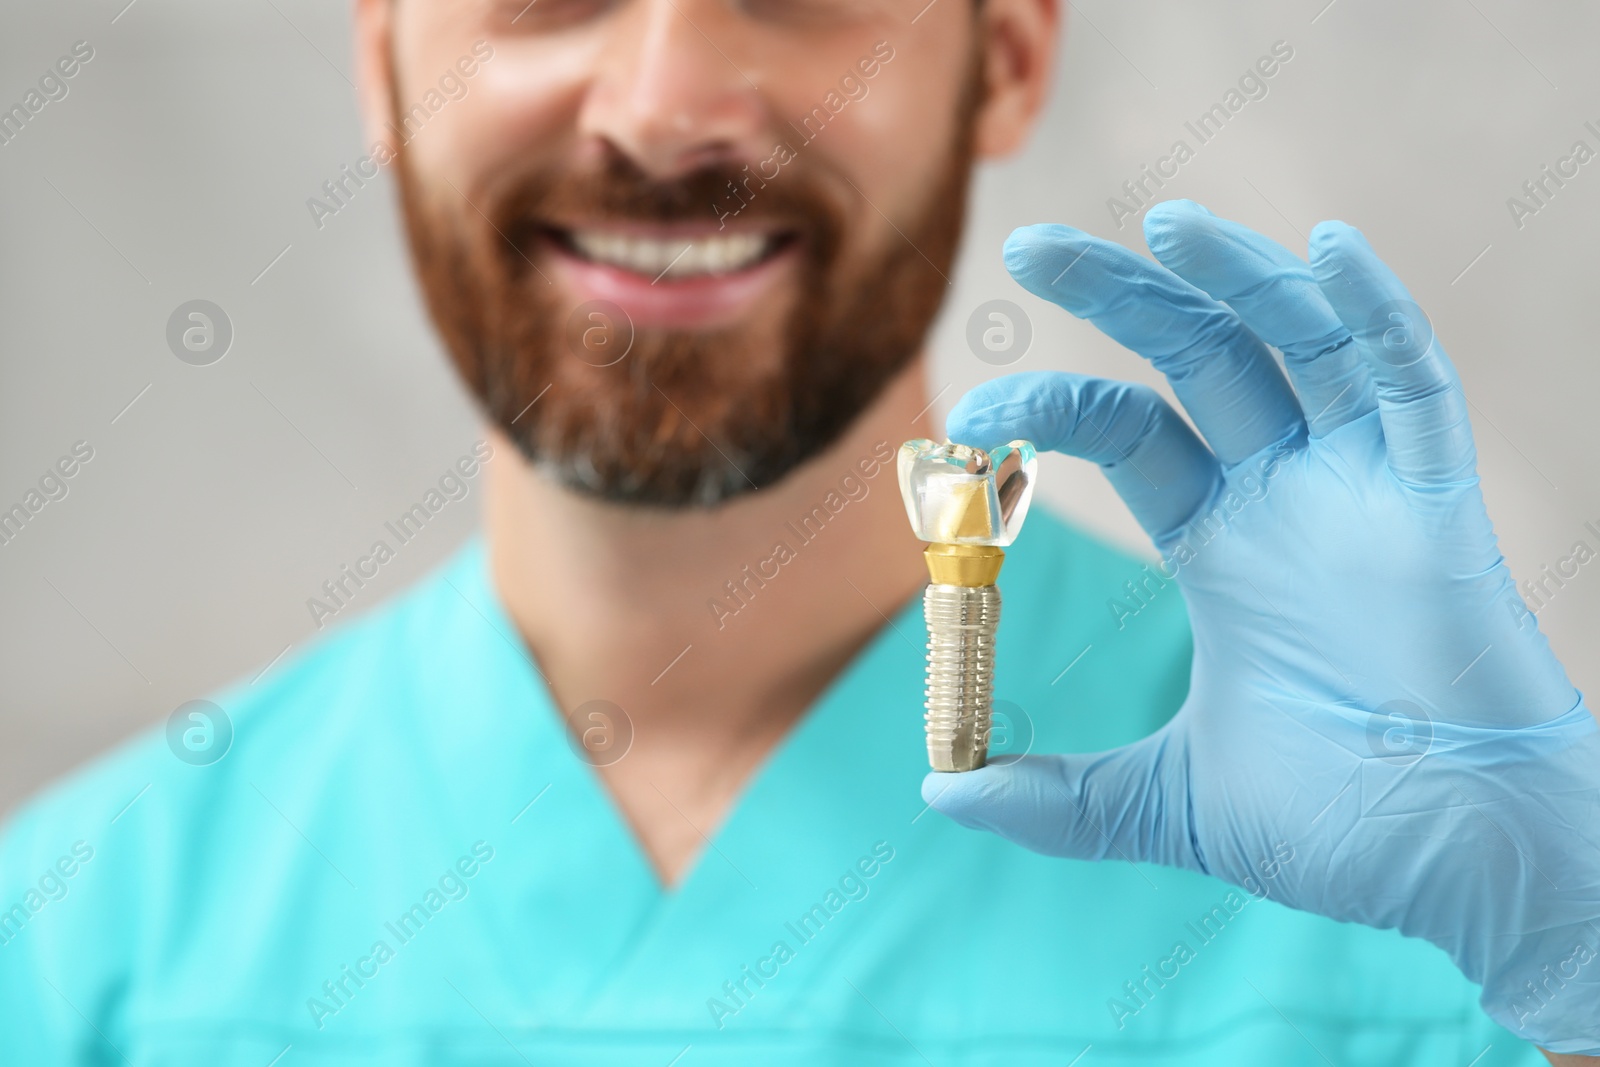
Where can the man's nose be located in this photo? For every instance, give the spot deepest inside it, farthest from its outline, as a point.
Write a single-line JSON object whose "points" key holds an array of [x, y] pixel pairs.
{"points": [[670, 93]]}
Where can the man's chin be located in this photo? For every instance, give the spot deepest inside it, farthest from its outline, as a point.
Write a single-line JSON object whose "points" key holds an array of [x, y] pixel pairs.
{"points": [[691, 482]]}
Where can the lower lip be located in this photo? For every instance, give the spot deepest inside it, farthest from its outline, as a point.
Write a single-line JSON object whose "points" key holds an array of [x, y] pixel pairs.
{"points": [[703, 301]]}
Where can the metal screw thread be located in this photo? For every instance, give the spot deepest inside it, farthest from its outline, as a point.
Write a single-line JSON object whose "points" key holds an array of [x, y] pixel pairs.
{"points": [[961, 627]]}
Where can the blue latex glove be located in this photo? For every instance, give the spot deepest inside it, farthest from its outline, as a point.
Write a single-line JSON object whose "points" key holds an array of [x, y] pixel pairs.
{"points": [[1368, 688]]}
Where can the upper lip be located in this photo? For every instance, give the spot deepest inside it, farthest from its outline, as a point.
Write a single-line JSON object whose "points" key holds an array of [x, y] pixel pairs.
{"points": [[662, 230]]}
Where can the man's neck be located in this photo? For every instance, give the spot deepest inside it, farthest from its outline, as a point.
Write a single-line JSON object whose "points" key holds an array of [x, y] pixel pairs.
{"points": [[713, 630]]}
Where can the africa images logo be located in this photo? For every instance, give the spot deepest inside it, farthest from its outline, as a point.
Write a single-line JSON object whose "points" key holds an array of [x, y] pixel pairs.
{"points": [[199, 733]]}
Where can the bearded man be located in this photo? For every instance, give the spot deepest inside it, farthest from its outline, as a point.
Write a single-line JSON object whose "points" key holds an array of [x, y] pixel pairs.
{"points": [[635, 777]]}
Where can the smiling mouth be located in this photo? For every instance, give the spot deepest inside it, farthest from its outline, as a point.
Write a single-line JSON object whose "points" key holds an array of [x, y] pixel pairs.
{"points": [[672, 258]]}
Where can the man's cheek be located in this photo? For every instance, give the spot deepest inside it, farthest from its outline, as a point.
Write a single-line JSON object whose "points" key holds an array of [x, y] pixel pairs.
{"points": [[853, 87]]}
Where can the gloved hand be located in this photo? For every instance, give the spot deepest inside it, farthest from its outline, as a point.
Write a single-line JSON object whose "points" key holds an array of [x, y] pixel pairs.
{"points": [[1367, 685]]}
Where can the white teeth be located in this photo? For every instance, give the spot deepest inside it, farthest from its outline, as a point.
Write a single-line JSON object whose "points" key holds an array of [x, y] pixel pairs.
{"points": [[672, 257]]}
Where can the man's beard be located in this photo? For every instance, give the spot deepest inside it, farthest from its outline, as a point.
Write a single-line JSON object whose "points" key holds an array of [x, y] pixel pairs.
{"points": [[686, 417]]}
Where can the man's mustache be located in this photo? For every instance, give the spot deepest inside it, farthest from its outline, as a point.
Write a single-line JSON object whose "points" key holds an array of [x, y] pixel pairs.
{"points": [[620, 190]]}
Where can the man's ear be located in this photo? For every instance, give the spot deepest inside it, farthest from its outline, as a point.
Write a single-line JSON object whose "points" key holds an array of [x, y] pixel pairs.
{"points": [[374, 67], [1019, 42]]}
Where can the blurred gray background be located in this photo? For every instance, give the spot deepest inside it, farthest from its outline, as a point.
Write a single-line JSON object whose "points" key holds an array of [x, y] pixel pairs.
{"points": [[220, 497]]}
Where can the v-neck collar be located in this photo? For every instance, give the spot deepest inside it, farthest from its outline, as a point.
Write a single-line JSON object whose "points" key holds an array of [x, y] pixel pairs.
{"points": [[584, 934]]}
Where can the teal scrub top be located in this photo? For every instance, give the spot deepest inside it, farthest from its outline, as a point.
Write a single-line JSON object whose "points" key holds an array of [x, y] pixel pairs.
{"points": [[400, 860]]}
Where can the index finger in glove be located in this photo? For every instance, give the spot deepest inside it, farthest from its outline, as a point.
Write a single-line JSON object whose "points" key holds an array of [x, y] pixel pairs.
{"points": [[1150, 455]]}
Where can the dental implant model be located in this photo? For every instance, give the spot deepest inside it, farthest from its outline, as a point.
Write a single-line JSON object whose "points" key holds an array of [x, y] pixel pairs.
{"points": [[968, 505]]}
